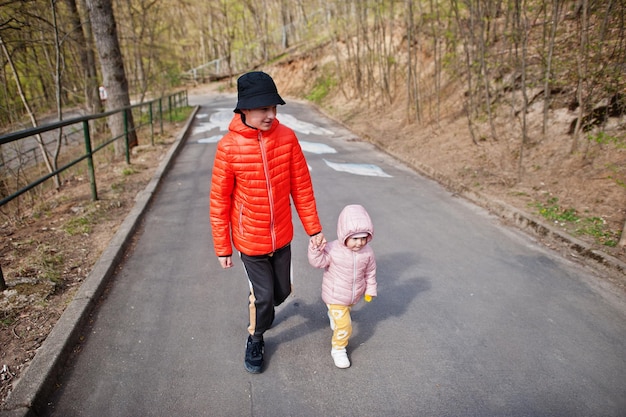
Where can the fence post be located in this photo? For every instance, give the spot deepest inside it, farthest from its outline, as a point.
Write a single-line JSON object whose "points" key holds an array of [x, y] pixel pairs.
{"points": [[161, 113], [126, 137], [151, 124], [92, 173], [169, 108]]}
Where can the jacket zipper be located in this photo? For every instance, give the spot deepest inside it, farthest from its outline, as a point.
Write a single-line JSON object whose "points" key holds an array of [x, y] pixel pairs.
{"points": [[269, 189], [354, 278]]}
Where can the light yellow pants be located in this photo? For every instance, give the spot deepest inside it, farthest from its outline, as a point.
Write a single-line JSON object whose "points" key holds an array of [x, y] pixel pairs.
{"points": [[341, 323]]}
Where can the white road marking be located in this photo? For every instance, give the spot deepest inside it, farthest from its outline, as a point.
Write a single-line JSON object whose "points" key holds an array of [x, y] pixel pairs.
{"points": [[358, 169], [303, 127], [212, 139], [221, 118], [316, 148]]}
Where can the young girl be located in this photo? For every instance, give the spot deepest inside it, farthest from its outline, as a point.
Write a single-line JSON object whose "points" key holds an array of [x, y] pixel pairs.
{"points": [[349, 273]]}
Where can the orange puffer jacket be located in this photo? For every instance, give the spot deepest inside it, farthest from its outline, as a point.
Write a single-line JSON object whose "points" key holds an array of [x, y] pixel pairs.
{"points": [[254, 175]]}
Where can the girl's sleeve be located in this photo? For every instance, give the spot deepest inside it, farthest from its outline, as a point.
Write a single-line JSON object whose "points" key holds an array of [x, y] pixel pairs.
{"points": [[318, 258], [370, 277]]}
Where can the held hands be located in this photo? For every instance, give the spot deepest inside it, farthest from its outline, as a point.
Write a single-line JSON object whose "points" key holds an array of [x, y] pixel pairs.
{"points": [[318, 241]]}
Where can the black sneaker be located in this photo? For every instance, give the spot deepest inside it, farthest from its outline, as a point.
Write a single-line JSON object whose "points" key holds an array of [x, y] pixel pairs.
{"points": [[254, 355]]}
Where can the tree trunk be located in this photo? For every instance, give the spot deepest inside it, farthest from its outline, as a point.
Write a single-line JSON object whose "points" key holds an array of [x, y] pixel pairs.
{"points": [[483, 18], [468, 103], [581, 63], [413, 111], [438, 42], [548, 74], [84, 41], [523, 28], [58, 92], [113, 73]]}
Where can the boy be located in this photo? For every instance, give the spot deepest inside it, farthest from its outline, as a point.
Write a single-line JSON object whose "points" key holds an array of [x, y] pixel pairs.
{"points": [[259, 166]]}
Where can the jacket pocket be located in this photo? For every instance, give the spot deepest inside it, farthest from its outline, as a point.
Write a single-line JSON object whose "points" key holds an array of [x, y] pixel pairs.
{"points": [[240, 219]]}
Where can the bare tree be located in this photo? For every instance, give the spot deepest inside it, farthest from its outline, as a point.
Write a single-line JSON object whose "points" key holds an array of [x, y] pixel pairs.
{"points": [[80, 27], [287, 18], [259, 13], [581, 65], [58, 87], [469, 96], [484, 17], [31, 114], [112, 63], [522, 33], [413, 111], [436, 33], [554, 20]]}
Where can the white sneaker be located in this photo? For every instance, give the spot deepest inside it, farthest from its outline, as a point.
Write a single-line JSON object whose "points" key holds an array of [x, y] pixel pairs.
{"points": [[340, 357]]}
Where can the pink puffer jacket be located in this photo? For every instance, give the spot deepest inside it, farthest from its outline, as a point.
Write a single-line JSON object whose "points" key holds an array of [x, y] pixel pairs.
{"points": [[348, 275]]}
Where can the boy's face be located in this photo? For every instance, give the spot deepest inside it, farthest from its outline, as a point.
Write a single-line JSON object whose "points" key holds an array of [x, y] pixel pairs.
{"points": [[261, 118], [356, 243]]}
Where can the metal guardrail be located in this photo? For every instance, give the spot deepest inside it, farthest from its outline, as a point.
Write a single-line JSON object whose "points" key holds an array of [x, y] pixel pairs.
{"points": [[169, 104]]}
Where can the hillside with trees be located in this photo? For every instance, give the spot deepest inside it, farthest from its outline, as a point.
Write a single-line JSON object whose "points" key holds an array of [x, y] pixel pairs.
{"points": [[513, 104], [520, 101]]}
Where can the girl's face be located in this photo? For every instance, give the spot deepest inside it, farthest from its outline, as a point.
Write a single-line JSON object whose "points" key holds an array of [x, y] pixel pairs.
{"points": [[356, 243], [261, 118]]}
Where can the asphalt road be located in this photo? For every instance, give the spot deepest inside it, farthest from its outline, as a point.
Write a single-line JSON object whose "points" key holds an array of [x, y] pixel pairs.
{"points": [[472, 318]]}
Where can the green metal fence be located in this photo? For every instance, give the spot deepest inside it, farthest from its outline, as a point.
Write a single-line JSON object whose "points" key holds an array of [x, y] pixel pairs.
{"points": [[144, 114]]}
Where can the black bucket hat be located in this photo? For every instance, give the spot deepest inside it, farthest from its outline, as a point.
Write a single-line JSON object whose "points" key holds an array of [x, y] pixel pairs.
{"points": [[255, 90]]}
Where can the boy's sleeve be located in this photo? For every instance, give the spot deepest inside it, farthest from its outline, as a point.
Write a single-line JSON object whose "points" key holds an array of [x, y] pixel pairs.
{"points": [[302, 191], [222, 183]]}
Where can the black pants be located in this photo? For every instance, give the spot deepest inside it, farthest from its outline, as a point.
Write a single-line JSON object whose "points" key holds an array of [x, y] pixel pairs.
{"points": [[270, 284]]}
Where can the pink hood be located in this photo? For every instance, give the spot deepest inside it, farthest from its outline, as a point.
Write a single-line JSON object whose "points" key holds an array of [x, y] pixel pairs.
{"points": [[354, 219], [348, 275]]}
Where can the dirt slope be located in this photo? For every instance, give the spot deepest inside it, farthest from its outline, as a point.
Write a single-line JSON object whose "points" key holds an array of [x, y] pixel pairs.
{"points": [[581, 193]]}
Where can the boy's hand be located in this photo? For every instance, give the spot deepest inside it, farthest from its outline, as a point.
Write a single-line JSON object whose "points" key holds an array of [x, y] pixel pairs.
{"points": [[226, 261], [367, 298]]}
